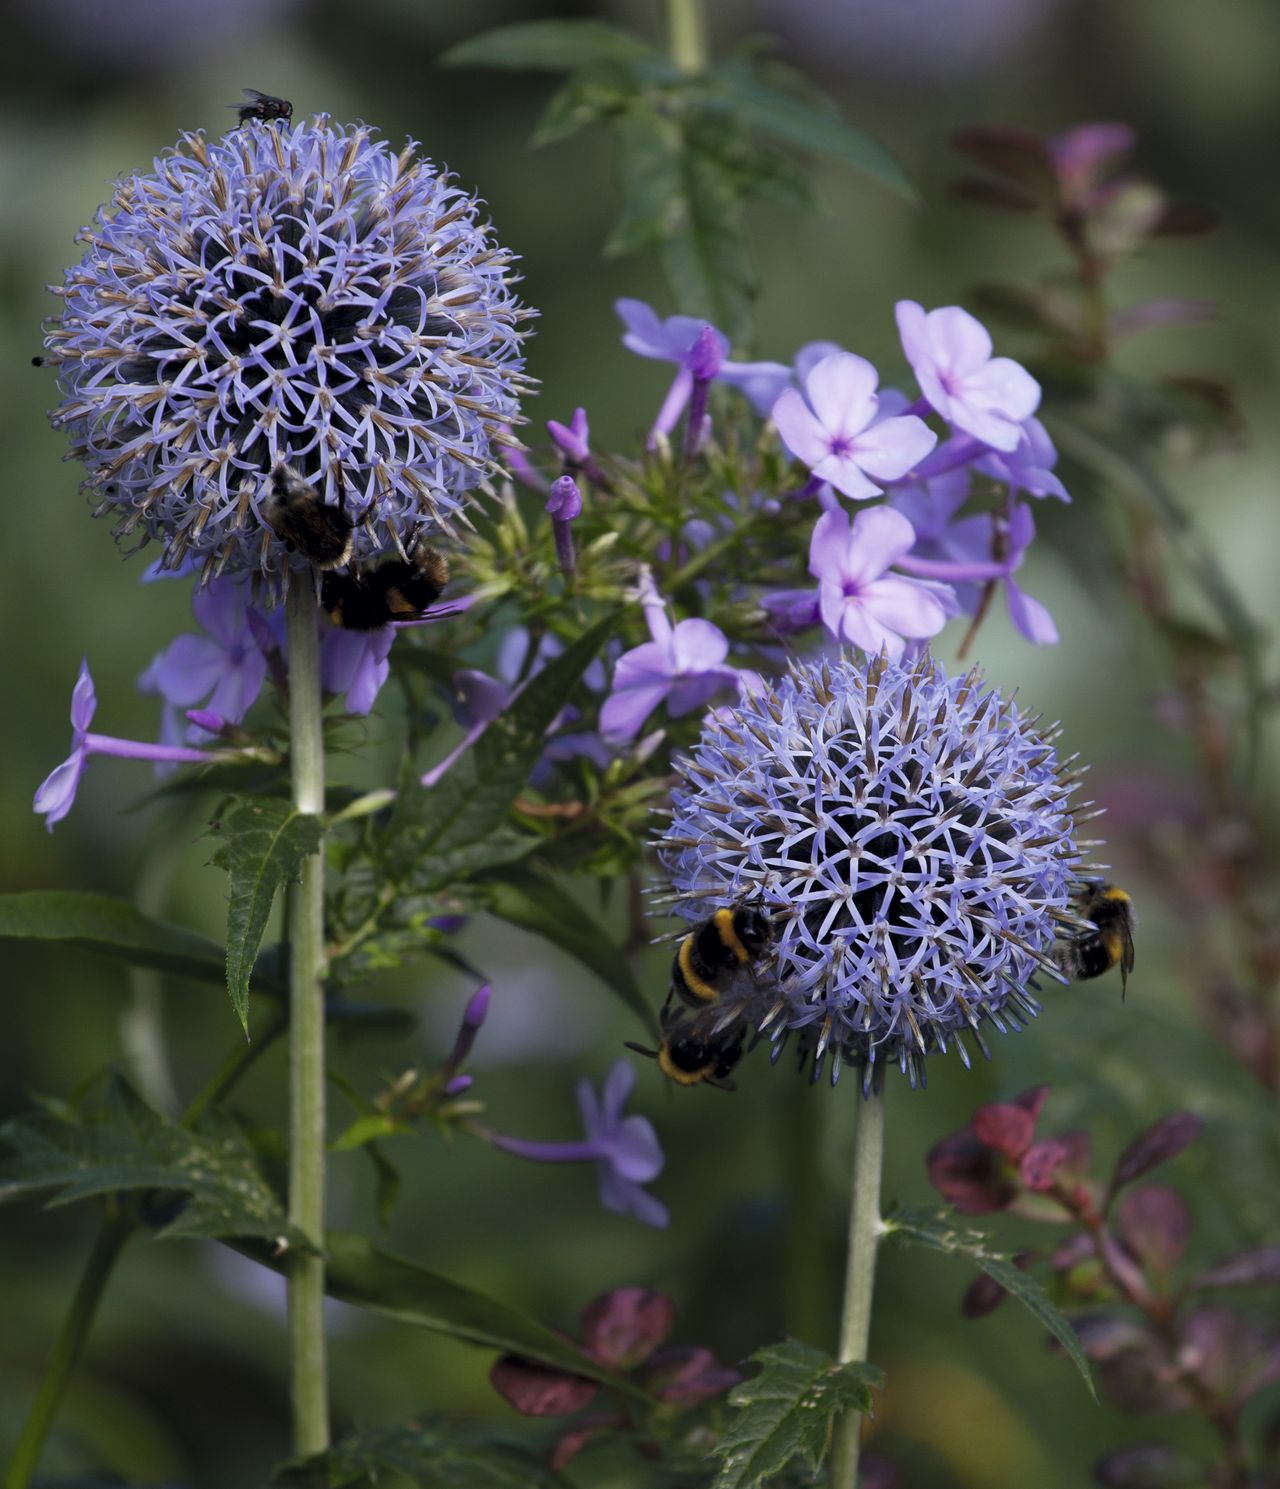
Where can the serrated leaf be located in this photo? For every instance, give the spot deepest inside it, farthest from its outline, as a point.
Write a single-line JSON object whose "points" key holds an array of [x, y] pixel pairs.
{"points": [[263, 842], [812, 124], [587, 97], [938, 1231], [127, 1146], [650, 146], [112, 927], [537, 902], [429, 1452], [357, 1272], [549, 46], [441, 834], [785, 1413]]}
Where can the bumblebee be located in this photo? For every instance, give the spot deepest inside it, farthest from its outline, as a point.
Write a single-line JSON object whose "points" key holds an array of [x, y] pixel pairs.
{"points": [[1109, 944], [710, 954], [262, 106], [298, 514], [397, 589], [690, 1057]]}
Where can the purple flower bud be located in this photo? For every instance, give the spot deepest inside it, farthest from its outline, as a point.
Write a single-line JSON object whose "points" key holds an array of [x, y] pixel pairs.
{"points": [[573, 438], [622, 1328], [458, 1085], [706, 355], [688, 1373], [565, 501], [472, 1017], [210, 722]]}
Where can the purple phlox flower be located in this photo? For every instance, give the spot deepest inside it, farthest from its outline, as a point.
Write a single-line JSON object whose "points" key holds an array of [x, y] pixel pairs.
{"points": [[950, 354], [984, 548], [356, 663], [697, 347], [57, 792], [859, 600], [833, 428], [224, 668], [479, 700], [625, 1149], [1029, 466], [791, 610], [573, 439], [683, 665]]}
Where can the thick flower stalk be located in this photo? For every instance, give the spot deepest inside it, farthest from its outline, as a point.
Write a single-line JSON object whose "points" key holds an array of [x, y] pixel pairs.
{"points": [[911, 837], [288, 295]]}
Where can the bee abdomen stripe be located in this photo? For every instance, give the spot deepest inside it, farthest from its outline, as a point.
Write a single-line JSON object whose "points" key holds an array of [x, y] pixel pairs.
{"points": [[729, 935], [689, 973]]}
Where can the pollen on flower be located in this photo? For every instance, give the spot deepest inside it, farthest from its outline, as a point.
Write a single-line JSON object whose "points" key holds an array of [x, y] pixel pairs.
{"points": [[301, 296], [911, 837]]}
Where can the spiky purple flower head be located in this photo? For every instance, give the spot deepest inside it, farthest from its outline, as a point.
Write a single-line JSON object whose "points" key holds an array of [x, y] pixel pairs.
{"points": [[911, 838], [300, 295]]}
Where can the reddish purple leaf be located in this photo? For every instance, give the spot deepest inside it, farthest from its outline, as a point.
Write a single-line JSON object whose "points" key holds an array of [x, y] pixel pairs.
{"points": [[538, 1390], [623, 1327], [1017, 154], [1155, 1225], [1041, 1164], [1133, 1368], [972, 1177], [688, 1373], [1259, 1267], [995, 194], [1155, 1146], [1005, 1126], [569, 1444], [1234, 1355], [1187, 220]]}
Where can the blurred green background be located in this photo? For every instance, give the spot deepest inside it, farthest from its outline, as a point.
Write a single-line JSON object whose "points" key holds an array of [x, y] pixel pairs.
{"points": [[184, 1378]]}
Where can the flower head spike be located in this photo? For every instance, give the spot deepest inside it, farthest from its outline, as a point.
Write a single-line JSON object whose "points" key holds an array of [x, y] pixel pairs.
{"points": [[834, 428], [950, 354], [299, 296], [909, 835]]}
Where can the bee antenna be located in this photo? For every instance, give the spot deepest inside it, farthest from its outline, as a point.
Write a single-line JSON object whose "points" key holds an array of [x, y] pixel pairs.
{"points": [[640, 1049]]}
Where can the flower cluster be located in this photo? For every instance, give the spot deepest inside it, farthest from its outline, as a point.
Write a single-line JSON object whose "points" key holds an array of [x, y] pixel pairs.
{"points": [[289, 295], [1156, 1335], [910, 836]]}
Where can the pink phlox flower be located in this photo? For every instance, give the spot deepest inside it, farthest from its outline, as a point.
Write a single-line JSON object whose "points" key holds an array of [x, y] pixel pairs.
{"points": [[630, 1154], [834, 429], [950, 354], [858, 599], [682, 666]]}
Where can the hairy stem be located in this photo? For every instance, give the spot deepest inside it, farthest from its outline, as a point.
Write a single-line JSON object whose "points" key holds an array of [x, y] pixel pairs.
{"points": [[860, 1271], [306, 1037], [116, 1230], [687, 35]]}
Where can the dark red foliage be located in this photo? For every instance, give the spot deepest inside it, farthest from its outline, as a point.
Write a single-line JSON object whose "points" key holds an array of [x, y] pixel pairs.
{"points": [[970, 1176], [539, 1390], [622, 1328], [1155, 1146], [1155, 1224]]}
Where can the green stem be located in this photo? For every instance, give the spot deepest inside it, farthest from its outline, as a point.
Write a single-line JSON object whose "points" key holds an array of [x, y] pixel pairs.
{"points": [[306, 1035], [860, 1272], [687, 35], [115, 1231]]}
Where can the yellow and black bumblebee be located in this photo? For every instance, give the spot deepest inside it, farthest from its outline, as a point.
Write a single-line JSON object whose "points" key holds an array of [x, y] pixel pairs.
{"points": [[1110, 942], [712, 953], [298, 514], [691, 1057], [396, 589]]}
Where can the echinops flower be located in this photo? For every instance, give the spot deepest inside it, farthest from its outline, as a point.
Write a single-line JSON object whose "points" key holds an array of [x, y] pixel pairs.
{"points": [[288, 295], [911, 838]]}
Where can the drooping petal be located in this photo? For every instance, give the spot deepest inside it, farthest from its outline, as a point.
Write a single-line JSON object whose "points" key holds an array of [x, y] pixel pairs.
{"points": [[624, 1198], [1029, 616], [56, 794], [84, 700]]}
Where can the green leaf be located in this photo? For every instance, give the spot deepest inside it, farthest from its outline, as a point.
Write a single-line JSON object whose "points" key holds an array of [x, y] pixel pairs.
{"points": [[357, 1272], [938, 1231], [127, 1146], [811, 123], [264, 841], [451, 831], [536, 902], [430, 1453], [111, 927], [586, 97], [650, 184], [549, 46], [785, 1413]]}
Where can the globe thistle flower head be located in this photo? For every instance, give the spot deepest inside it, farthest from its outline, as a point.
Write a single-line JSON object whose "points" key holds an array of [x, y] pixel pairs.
{"points": [[909, 835], [296, 296]]}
